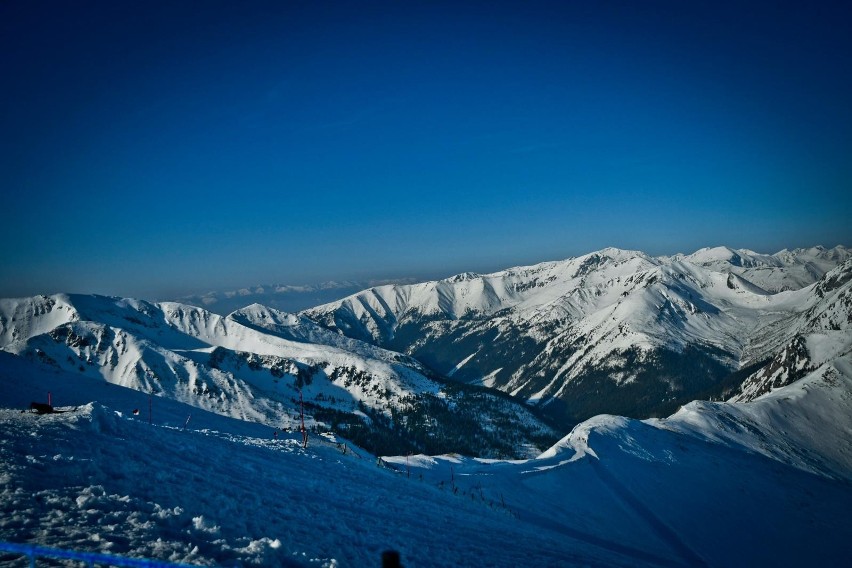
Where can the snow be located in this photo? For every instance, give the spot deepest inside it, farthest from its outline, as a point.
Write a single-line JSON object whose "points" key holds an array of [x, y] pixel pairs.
{"points": [[167, 349], [225, 491], [205, 479], [460, 365], [740, 304], [784, 270], [805, 424], [488, 380], [717, 484]]}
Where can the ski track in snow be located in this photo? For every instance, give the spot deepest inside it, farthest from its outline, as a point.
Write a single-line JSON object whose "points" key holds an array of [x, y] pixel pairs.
{"points": [[657, 525]]}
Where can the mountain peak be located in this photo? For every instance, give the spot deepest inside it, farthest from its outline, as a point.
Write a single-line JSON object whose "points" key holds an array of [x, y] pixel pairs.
{"points": [[618, 253]]}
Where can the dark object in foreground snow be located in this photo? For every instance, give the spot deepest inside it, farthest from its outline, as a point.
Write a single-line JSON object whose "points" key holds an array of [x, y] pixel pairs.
{"points": [[390, 559], [41, 408]]}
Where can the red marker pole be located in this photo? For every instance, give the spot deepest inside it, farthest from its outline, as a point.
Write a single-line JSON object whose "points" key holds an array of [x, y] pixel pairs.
{"points": [[302, 414], [49, 403]]}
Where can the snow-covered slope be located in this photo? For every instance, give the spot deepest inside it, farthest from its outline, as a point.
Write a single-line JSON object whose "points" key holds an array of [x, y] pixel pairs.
{"points": [[615, 331], [210, 470], [784, 270], [252, 365], [764, 483], [817, 335], [718, 484]]}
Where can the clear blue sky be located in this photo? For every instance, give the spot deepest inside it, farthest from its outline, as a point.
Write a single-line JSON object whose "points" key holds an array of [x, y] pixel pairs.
{"points": [[157, 148]]}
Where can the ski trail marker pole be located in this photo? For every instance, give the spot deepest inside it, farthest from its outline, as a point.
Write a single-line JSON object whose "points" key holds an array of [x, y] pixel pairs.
{"points": [[302, 413]]}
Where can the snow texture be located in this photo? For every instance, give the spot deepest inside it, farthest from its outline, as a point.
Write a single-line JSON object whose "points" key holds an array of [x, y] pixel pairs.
{"points": [[761, 483]]}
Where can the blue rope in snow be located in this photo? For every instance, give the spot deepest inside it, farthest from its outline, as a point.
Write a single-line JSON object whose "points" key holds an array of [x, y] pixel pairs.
{"points": [[90, 558]]}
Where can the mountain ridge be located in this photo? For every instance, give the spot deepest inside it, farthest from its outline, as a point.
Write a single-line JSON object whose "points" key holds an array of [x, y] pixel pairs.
{"points": [[612, 331], [257, 364], [611, 317]]}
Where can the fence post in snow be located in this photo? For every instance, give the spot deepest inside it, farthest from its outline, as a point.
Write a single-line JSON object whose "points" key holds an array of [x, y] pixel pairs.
{"points": [[49, 399]]}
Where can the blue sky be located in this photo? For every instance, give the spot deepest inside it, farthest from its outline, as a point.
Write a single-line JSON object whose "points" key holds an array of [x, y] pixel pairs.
{"points": [[151, 149]]}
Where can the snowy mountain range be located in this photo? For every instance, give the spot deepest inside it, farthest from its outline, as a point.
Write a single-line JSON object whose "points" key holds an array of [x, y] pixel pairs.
{"points": [[261, 365], [612, 331], [759, 483], [213, 469]]}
